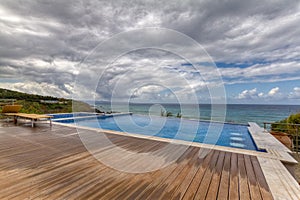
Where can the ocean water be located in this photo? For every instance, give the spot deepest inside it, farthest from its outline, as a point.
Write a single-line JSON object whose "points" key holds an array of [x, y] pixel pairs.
{"points": [[235, 113]]}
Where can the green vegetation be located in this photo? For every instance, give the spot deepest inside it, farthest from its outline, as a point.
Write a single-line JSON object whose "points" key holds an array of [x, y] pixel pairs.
{"points": [[9, 94], [287, 124], [291, 126], [169, 114], [179, 115], [34, 103]]}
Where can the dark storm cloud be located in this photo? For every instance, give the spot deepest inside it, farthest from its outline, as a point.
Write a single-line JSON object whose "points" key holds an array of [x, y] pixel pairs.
{"points": [[46, 41]]}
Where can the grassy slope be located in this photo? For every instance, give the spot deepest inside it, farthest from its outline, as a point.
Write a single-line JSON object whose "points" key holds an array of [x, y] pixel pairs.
{"points": [[31, 103]]}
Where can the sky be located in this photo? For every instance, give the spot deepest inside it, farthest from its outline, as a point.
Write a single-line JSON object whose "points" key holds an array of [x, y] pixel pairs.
{"points": [[153, 51]]}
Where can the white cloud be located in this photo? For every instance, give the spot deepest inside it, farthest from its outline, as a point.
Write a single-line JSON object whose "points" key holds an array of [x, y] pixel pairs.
{"points": [[297, 89], [273, 91], [295, 94], [46, 47], [273, 94], [271, 72], [249, 94], [44, 89]]}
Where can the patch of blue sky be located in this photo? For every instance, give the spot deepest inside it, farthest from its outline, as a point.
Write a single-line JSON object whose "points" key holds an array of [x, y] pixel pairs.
{"points": [[208, 64], [176, 69], [186, 64], [226, 64], [231, 65]]}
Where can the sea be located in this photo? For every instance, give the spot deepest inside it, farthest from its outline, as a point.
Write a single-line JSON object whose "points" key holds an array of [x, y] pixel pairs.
{"points": [[232, 113]]}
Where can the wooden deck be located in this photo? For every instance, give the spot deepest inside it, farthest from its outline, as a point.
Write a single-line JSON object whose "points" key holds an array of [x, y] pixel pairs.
{"points": [[44, 163]]}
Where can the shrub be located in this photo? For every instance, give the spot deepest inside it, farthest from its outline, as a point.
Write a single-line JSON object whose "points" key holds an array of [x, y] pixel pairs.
{"points": [[286, 125], [169, 114]]}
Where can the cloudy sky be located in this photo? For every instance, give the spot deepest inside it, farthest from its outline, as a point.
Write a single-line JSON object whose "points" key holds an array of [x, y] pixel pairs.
{"points": [[147, 50]]}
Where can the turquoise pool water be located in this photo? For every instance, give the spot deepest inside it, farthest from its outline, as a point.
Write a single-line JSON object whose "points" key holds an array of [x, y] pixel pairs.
{"points": [[231, 135]]}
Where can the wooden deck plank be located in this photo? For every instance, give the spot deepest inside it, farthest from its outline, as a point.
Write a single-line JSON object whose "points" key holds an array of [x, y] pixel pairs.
{"points": [[57, 184], [244, 191], [253, 184], [47, 177], [206, 180], [183, 187], [215, 181], [224, 182], [263, 186], [156, 179], [162, 186], [234, 178], [192, 190], [116, 191], [136, 185], [153, 179], [133, 160], [43, 163], [170, 190], [111, 181]]}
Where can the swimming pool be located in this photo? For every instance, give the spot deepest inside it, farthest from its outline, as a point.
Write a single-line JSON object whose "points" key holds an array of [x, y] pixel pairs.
{"points": [[231, 135], [70, 115]]}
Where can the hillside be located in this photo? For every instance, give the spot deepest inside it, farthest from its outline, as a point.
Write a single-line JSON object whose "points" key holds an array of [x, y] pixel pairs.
{"points": [[41, 104]]}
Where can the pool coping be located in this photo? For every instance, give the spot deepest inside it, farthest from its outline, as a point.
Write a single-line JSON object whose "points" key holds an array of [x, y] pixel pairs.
{"points": [[280, 180], [262, 139], [174, 141], [265, 141]]}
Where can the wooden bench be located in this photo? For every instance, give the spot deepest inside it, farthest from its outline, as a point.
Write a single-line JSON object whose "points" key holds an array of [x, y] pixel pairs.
{"points": [[10, 109], [33, 117]]}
